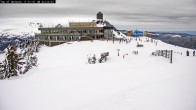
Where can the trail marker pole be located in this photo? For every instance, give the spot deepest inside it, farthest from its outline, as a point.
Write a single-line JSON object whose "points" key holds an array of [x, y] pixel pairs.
{"points": [[171, 56], [118, 51]]}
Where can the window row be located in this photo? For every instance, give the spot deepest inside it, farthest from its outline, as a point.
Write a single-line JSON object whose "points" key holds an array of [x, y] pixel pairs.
{"points": [[56, 38]]}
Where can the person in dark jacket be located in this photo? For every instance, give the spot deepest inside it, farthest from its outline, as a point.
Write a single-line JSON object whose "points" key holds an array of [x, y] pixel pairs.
{"points": [[194, 53], [187, 53]]}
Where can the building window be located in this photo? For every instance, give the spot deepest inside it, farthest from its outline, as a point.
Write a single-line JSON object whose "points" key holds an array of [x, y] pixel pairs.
{"points": [[52, 37], [46, 37], [41, 37], [60, 38], [65, 37], [93, 31], [68, 38], [51, 31]]}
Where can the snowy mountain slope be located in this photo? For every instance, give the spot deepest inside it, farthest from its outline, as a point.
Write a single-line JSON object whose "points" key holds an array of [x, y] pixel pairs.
{"points": [[174, 36], [119, 34], [64, 80], [28, 29]]}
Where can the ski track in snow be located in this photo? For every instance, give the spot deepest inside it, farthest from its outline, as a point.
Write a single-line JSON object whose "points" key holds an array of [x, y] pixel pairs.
{"points": [[64, 81]]}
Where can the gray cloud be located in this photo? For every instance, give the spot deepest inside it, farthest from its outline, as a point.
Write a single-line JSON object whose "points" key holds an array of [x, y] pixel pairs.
{"points": [[178, 14]]}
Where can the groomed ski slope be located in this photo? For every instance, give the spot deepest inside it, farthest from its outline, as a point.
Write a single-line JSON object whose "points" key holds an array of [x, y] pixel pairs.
{"points": [[119, 35], [64, 81]]}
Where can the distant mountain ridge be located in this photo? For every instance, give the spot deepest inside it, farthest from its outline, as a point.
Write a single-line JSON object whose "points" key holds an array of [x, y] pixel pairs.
{"points": [[180, 32], [17, 34], [176, 38]]}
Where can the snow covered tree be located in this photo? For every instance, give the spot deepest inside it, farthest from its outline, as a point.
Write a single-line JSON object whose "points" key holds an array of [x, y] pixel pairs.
{"points": [[34, 60], [3, 69], [2, 73], [31, 58], [15, 61], [36, 46]]}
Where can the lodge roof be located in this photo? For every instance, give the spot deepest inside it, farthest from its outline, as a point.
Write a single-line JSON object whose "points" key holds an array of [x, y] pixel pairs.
{"points": [[59, 26], [99, 12]]}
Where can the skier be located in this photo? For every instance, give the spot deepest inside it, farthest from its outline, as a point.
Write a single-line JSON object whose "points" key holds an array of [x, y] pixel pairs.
{"points": [[194, 53], [187, 53], [94, 59]]}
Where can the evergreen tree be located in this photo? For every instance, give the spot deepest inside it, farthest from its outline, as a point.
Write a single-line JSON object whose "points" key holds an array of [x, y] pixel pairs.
{"points": [[34, 60], [37, 46], [26, 54], [34, 48], [15, 61], [3, 69], [2, 73], [31, 58]]}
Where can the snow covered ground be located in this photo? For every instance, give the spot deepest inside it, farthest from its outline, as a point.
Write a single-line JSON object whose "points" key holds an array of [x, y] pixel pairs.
{"points": [[64, 80]]}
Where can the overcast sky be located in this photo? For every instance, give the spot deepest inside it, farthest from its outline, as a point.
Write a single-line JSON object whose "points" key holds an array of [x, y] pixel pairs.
{"points": [[155, 15]]}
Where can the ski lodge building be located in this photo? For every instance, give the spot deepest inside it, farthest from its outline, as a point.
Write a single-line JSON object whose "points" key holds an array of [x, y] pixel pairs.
{"points": [[97, 29]]}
